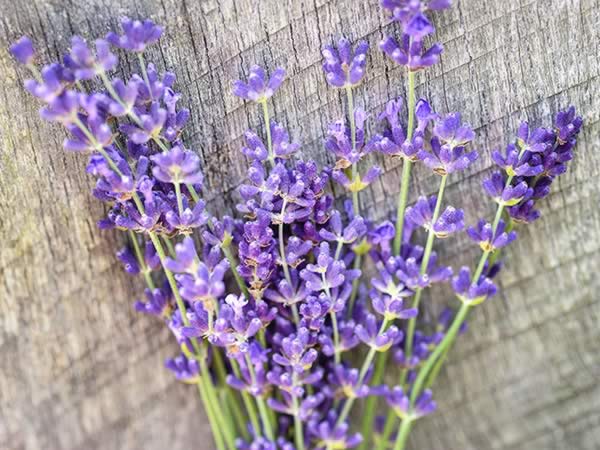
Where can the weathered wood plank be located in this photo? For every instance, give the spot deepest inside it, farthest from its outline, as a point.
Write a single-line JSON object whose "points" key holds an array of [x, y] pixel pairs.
{"points": [[81, 370]]}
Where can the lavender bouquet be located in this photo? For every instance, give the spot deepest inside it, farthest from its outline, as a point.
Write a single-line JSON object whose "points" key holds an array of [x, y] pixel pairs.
{"points": [[288, 316]]}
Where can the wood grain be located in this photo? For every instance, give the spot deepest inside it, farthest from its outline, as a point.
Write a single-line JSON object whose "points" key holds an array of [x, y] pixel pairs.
{"points": [[81, 370]]}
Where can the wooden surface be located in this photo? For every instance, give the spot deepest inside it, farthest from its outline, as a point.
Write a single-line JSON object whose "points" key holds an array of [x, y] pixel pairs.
{"points": [[81, 370]]}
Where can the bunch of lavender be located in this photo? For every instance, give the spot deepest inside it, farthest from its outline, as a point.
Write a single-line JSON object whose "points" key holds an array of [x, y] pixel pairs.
{"points": [[267, 308]]}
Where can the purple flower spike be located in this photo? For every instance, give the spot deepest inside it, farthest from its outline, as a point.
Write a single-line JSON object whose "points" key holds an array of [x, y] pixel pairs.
{"points": [[567, 125], [444, 159], [394, 142], [400, 403], [52, 85], [524, 212], [411, 53], [354, 230], [450, 131], [482, 234], [87, 65], [392, 308], [127, 94], [186, 370], [472, 293], [63, 109], [23, 50], [410, 13], [360, 183], [525, 165], [157, 303], [342, 67], [510, 195], [186, 257], [258, 88], [295, 352], [348, 381], [339, 141], [421, 213], [177, 166], [189, 218], [137, 35], [329, 435], [450, 221], [152, 125], [424, 404], [255, 148], [129, 261], [371, 334]]}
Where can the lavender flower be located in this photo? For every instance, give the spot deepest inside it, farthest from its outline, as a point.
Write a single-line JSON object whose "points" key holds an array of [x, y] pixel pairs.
{"points": [[295, 352], [472, 293], [448, 152], [138, 35], [349, 382], [411, 12], [400, 403], [86, 65], [509, 195], [339, 141], [157, 303], [23, 50], [177, 166], [411, 53], [449, 221], [150, 127], [393, 142], [567, 125], [329, 435], [186, 370], [258, 89], [487, 239], [515, 165], [279, 292], [54, 79], [372, 335], [343, 67]]}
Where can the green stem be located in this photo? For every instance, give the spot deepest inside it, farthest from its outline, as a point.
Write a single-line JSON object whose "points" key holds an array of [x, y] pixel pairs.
{"points": [[338, 250], [262, 408], [361, 377], [371, 404], [224, 425], [179, 199], [265, 108], [408, 346], [247, 399], [355, 284], [141, 261], [388, 428], [403, 196], [209, 388], [144, 72], [334, 323], [403, 434], [284, 263], [439, 350], [354, 169], [298, 430], [233, 266], [210, 414], [436, 368]]}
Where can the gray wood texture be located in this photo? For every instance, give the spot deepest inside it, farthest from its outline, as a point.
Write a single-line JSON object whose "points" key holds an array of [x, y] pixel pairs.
{"points": [[81, 370]]}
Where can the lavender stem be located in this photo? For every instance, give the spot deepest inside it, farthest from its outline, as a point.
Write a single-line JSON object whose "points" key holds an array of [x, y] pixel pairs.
{"points": [[403, 196]]}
